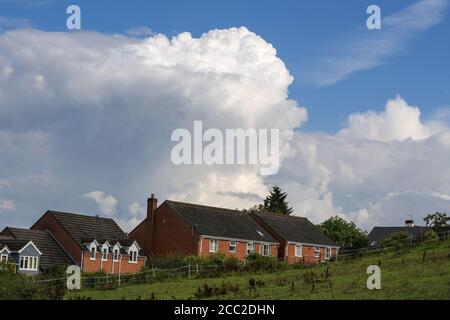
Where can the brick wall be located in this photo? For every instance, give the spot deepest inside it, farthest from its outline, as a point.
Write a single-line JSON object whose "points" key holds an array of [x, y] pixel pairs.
{"points": [[308, 254], [139, 234], [241, 248], [172, 235], [48, 222], [110, 266]]}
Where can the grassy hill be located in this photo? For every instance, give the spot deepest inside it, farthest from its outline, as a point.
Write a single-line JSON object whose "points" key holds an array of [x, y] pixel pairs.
{"points": [[419, 273]]}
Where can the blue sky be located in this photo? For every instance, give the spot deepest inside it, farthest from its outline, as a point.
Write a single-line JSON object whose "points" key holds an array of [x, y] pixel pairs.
{"points": [[86, 117], [299, 30]]}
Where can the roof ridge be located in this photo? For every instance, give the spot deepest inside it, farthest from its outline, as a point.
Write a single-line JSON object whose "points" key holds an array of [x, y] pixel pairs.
{"points": [[203, 206], [273, 214], [80, 215]]}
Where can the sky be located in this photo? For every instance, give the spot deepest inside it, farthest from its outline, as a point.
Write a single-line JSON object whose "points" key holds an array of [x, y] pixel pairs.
{"points": [[86, 116]]}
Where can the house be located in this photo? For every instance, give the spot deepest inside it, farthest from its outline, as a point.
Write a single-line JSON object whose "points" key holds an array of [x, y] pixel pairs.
{"points": [[24, 255], [378, 234], [53, 254], [93, 243], [191, 229], [300, 240]]}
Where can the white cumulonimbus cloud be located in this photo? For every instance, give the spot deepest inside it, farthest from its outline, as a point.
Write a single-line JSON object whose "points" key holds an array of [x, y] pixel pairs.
{"points": [[87, 111]]}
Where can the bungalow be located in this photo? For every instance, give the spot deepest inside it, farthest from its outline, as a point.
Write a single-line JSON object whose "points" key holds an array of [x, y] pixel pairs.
{"points": [[24, 255], [94, 243], [378, 234], [191, 229], [300, 240]]}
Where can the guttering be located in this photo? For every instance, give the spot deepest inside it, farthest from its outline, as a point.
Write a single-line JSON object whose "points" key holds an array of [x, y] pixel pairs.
{"points": [[240, 240], [312, 244]]}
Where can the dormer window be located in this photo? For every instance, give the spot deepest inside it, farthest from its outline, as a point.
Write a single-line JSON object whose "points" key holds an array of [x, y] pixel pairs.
{"points": [[133, 252], [133, 256], [105, 254], [93, 250], [3, 257], [116, 251]]}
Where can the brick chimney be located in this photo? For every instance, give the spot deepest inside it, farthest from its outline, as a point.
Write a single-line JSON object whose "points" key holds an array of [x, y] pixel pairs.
{"points": [[152, 204]]}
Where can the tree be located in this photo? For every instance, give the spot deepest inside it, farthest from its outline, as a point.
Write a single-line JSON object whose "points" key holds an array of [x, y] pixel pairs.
{"points": [[437, 220], [276, 202], [396, 240], [345, 234]]}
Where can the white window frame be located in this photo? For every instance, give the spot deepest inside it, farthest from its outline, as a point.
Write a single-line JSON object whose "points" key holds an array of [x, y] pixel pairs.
{"points": [[298, 247], [116, 253], [4, 257], [250, 248], [233, 244], [264, 246], [327, 253], [213, 245], [29, 263], [93, 252], [316, 252], [133, 256], [104, 254]]}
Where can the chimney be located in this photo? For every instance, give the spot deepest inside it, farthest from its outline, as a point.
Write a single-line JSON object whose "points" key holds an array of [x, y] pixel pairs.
{"points": [[409, 223], [152, 204]]}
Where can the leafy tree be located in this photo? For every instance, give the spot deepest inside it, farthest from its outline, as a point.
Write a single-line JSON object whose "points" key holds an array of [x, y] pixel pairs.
{"points": [[430, 235], [396, 240], [437, 220], [276, 202], [345, 234]]}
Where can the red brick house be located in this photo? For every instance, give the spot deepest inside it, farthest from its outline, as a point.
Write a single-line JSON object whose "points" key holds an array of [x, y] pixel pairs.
{"points": [[300, 240], [191, 229], [93, 243]]}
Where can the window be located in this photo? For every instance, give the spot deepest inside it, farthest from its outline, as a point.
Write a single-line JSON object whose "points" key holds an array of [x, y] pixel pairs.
{"points": [[116, 255], [266, 250], [213, 245], [133, 256], [317, 252], [298, 250], [28, 263], [328, 253], [105, 254], [3, 258], [232, 246], [93, 252], [260, 233], [250, 248]]}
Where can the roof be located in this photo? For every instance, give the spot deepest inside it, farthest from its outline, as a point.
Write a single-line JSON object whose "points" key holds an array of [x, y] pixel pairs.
{"points": [[13, 244], [85, 228], [52, 251], [379, 233], [295, 229], [220, 222]]}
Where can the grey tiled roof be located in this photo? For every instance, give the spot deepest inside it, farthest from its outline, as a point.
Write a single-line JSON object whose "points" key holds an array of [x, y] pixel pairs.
{"points": [[52, 253], [220, 222], [295, 229], [379, 233], [84, 228]]}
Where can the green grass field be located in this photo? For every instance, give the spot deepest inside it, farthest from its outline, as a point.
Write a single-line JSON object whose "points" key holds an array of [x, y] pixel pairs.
{"points": [[404, 275]]}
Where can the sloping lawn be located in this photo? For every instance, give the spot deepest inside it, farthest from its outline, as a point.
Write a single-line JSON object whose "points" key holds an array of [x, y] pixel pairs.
{"points": [[404, 275]]}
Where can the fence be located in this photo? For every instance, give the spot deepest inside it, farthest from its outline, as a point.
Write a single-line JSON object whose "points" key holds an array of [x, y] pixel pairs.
{"points": [[198, 270]]}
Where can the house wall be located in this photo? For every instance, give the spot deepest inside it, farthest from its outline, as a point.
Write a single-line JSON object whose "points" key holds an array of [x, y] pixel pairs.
{"points": [[241, 248], [139, 235], [308, 253], [48, 222], [110, 266], [172, 235]]}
